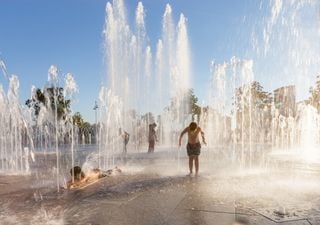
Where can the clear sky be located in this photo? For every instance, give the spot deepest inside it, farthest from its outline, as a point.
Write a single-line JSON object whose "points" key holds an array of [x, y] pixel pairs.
{"points": [[68, 33]]}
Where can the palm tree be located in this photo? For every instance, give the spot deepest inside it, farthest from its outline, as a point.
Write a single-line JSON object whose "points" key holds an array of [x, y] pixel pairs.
{"points": [[46, 98]]}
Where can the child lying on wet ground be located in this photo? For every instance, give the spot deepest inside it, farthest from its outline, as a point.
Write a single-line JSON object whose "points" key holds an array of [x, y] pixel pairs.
{"points": [[80, 178]]}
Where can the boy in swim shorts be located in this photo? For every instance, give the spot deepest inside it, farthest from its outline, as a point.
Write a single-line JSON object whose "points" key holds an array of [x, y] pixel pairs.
{"points": [[193, 146]]}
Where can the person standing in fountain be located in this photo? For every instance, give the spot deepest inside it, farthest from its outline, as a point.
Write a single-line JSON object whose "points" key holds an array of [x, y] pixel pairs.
{"points": [[126, 137], [152, 137], [193, 146]]}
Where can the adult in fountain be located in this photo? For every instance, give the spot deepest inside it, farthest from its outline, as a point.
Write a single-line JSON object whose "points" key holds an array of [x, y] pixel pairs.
{"points": [[193, 146], [80, 178], [152, 137], [126, 137]]}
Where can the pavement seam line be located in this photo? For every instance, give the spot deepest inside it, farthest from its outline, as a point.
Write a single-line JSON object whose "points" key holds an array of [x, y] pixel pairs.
{"points": [[167, 218], [219, 212]]}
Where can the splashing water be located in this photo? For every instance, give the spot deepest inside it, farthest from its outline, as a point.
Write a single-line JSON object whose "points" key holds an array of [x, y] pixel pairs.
{"points": [[136, 79], [285, 49], [16, 146], [285, 46]]}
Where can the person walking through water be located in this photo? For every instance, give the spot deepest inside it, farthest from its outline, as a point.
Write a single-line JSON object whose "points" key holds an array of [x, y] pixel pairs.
{"points": [[126, 137], [152, 137], [193, 146]]}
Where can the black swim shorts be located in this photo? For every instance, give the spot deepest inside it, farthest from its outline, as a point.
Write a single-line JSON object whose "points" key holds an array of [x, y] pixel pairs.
{"points": [[193, 149]]}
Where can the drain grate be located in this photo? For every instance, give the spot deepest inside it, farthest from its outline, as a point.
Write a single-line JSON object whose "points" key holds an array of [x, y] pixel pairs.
{"points": [[276, 218]]}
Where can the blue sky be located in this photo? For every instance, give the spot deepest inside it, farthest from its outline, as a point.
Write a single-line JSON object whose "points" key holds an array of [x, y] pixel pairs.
{"points": [[68, 33]]}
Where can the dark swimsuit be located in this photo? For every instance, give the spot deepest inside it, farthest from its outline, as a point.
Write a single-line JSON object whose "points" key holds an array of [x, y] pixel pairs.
{"points": [[193, 149]]}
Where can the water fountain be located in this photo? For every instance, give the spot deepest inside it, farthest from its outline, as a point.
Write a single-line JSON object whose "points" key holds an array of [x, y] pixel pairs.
{"points": [[242, 121], [53, 128], [282, 122], [140, 81], [228, 119], [16, 146], [135, 80], [291, 36]]}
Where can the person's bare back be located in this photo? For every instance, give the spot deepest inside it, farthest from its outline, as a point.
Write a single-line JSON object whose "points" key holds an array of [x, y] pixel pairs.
{"points": [[80, 178]]}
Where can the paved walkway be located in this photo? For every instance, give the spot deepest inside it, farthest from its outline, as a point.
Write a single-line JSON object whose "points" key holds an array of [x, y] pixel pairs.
{"points": [[153, 194]]}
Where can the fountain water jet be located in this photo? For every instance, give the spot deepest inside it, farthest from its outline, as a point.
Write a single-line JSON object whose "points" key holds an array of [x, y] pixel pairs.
{"points": [[16, 146], [285, 47], [135, 77]]}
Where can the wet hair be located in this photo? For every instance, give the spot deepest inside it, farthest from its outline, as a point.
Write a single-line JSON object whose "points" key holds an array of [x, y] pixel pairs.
{"points": [[77, 173], [193, 126], [152, 126]]}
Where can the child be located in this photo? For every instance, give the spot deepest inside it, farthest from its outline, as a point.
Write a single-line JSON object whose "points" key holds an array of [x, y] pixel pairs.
{"points": [[193, 146], [152, 137], [79, 177], [126, 137]]}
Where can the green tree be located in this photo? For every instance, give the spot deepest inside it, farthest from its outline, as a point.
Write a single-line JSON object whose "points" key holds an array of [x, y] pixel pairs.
{"points": [[253, 111], [252, 96], [51, 98], [84, 128], [77, 119], [195, 109], [260, 98], [314, 99]]}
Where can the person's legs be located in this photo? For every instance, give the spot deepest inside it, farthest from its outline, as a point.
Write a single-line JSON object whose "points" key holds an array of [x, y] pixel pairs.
{"points": [[196, 162], [124, 147], [191, 164], [151, 146]]}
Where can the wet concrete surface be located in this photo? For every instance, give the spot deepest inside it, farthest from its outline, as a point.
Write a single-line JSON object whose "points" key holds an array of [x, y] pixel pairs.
{"points": [[152, 192]]}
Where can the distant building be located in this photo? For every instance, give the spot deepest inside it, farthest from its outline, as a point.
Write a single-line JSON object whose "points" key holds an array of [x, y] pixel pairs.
{"points": [[285, 100]]}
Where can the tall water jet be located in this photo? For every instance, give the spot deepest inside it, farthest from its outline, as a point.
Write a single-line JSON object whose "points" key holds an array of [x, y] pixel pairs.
{"points": [[291, 36], [110, 142], [53, 80], [159, 70], [168, 36], [149, 94], [166, 55], [117, 43], [70, 88], [215, 122], [136, 79], [228, 117], [309, 124], [159, 64], [181, 73], [286, 49], [16, 146], [177, 63]]}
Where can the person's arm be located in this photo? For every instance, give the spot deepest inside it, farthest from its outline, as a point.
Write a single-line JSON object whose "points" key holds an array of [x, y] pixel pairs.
{"points": [[69, 184], [203, 137], [154, 134], [181, 135]]}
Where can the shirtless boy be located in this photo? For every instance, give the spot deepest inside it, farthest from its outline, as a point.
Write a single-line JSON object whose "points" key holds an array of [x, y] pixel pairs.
{"points": [[193, 146]]}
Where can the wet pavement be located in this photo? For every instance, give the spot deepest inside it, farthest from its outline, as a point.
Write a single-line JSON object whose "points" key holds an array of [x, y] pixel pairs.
{"points": [[153, 190]]}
